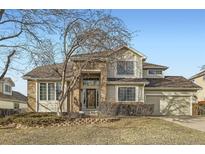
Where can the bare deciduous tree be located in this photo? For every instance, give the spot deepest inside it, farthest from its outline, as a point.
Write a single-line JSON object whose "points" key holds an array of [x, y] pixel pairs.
{"points": [[35, 34], [88, 31], [22, 32]]}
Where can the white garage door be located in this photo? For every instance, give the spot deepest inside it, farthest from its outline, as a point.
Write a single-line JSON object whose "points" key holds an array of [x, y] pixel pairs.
{"points": [[170, 105], [156, 101]]}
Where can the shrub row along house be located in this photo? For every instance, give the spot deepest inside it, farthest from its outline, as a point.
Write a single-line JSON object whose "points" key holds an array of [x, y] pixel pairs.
{"points": [[121, 76], [10, 99]]}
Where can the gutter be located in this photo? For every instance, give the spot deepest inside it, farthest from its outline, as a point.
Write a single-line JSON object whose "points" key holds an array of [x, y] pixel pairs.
{"points": [[170, 88], [118, 82], [30, 78]]}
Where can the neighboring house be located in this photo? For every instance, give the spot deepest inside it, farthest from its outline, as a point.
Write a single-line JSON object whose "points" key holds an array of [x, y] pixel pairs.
{"points": [[10, 99], [199, 79], [120, 76]]}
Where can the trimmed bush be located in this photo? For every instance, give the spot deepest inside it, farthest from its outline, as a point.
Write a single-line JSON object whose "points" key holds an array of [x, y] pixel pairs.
{"points": [[32, 119], [42, 121], [127, 109]]}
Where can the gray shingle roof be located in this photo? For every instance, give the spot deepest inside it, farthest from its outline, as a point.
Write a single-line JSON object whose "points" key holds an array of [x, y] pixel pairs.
{"points": [[48, 71], [16, 96], [171, 82], [167, 82], [155, 66], [127, 79]]}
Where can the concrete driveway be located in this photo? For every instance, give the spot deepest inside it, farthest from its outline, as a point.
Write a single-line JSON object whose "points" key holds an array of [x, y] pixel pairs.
{"points": [[188, 121]]}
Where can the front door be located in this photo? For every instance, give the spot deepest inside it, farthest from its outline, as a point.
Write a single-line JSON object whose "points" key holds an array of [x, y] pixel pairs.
{"points": [[91, 98]]}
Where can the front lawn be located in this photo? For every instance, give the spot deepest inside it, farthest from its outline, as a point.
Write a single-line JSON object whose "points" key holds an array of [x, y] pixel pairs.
{"points": [[141, 130]]}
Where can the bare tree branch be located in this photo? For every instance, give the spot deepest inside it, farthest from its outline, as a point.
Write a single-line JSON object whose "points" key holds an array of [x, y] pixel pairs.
{"points": [[11, 36], [7, 64]]}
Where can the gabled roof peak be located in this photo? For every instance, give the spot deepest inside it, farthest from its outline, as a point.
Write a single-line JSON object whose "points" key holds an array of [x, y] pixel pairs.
{"points": [[9, 80], [202, 73], [105, 54]]}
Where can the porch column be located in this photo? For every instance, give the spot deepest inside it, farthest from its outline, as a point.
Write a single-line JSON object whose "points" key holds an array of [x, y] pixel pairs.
{"points": [[103, 83]]}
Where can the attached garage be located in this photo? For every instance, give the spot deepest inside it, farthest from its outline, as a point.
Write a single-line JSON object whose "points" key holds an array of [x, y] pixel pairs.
{"points": [[171, 95], [170, 104]]}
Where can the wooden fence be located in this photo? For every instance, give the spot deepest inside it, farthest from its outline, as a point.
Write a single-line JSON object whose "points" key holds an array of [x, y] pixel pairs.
{"points": [[198, 109]]}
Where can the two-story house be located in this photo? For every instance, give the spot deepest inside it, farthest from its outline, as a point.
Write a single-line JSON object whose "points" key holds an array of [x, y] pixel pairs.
{"points": [[10, 99], [120, 76]]}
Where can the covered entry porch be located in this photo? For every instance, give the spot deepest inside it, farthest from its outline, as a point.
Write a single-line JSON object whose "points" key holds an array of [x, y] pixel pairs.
{"points": [[92, 91], [90, 94]]}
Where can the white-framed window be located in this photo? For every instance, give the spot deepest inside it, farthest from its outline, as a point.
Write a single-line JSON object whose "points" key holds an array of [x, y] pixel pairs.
{"points": [[91, 82], [125, 67], [126, 94], [43, 91], [49, 91], [58, 90], [155, 72], [7, 89]]}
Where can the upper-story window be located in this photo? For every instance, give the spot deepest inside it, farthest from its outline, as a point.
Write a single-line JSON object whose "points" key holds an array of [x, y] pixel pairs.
{"points": [[125, 67], [155, 72], [7, 89]]}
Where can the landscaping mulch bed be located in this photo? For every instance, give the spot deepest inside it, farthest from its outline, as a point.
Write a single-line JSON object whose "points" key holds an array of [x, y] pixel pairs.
{"points": [[41, 120]]}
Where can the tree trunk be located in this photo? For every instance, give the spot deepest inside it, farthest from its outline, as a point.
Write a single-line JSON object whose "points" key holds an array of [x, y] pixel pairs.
{"points": [[1, 13], [59, 109]]}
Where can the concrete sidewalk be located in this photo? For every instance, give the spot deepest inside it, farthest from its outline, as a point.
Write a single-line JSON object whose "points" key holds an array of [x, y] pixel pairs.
{"points": [[188, 121]]}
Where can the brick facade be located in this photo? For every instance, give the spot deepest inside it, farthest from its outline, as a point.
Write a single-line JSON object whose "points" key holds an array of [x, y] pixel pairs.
{"points": [[31, 96]]}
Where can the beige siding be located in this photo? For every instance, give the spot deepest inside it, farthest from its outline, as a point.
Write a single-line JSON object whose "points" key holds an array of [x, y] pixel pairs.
{"points": [[112, 92], [126, 56], [22, 106], [10, 105], [170, 102], [6, 105], [201, 93]]}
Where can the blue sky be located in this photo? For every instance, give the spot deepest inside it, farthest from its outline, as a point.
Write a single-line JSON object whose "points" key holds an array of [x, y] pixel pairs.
{"points": [[175, 38]]}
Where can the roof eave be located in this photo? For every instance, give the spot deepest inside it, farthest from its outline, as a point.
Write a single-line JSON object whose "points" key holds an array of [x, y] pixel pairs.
{"points": [[123, 82], [165, 68], [37, 78], [171, 88], [200, 74]]}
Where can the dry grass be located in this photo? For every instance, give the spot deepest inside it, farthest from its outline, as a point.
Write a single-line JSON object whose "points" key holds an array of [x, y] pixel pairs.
{"points": [[126, 131]]}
